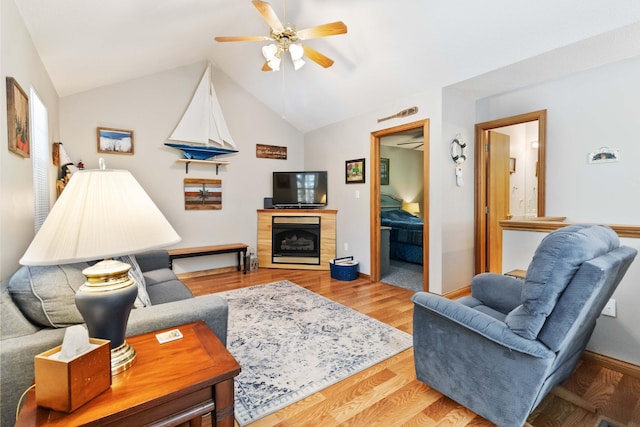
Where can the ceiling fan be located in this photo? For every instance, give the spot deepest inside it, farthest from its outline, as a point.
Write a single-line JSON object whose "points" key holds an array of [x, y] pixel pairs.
{"points": [[418, 142], [286, 39]]}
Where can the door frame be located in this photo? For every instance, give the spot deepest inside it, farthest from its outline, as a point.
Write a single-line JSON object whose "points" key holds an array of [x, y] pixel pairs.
{"points": [[374, 183], [481, 158]]}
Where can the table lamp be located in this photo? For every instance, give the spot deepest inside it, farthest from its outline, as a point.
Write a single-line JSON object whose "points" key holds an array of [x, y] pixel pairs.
{"points": [[102, 214], [411, 207]]}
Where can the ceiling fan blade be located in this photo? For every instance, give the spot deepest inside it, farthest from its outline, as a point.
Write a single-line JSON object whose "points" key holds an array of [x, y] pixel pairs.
{"points": [[317, 57], [242, 38], [325, 30], [269, 15]]}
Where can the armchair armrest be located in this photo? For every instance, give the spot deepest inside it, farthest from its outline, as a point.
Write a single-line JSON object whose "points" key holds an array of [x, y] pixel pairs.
{"points": [[480, 324], [500, 292]]}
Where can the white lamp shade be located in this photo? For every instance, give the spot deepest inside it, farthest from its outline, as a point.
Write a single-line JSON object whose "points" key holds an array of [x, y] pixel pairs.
{"points": [[100, 214], [272, 54], [269, 51], [411, 207], [297, 52]]}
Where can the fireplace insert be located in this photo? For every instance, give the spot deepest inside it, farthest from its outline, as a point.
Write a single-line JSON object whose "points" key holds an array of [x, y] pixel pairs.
{"points": [[295, 240]]}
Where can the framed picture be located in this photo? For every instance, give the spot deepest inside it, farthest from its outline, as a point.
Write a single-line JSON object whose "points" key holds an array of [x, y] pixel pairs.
{"points": [[115, 141], [354, 171], [384, 171], [604, 155], [17, 119], [202, 194]]}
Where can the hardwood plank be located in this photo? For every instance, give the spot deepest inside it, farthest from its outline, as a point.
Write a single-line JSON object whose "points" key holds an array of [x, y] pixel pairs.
{"points": [[388, 394]]}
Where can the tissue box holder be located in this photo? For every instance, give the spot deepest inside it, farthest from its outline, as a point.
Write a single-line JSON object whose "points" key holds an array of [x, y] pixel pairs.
{"points": [[66, 385]]}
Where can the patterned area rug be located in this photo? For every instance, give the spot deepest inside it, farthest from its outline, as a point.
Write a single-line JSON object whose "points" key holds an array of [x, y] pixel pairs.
{"points": [[292, 343]]}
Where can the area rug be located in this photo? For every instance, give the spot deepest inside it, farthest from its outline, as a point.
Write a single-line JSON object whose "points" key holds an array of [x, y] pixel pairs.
{"points": [[291, 343]]}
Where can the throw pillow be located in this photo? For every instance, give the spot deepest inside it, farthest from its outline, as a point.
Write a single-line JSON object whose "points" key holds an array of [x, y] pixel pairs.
{"points": [[142, 300], [46, 294]]}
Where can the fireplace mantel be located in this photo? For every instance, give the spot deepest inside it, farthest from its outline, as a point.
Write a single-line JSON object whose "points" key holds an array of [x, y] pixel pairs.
{"points": [[327, 236]]}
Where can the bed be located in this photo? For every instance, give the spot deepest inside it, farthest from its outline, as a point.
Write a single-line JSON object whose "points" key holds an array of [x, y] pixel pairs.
{"points": [[406, 235]]}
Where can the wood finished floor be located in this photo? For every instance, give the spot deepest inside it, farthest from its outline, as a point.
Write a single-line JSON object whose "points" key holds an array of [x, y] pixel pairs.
{"points": [[389, 394]]}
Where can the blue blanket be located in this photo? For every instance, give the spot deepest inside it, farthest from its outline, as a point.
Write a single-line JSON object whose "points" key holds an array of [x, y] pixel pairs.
{"points": [[406, 235]]}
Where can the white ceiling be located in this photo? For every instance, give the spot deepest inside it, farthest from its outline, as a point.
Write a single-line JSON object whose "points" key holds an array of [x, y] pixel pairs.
{"points": [[392, 49]]}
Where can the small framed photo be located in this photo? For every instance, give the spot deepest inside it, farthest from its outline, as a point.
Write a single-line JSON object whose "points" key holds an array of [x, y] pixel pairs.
{"points": [[354, 171], [384, 171], [115, 141], [17, 119], [604, 155]]}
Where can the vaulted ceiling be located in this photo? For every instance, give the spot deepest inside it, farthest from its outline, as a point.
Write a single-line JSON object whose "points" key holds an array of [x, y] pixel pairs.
{"points": [[392, 49]]}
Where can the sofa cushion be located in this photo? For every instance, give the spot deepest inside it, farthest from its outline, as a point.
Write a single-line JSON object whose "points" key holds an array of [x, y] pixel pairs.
{"points": [[554, 264], [142, 300], [171, 290], [46, 294], [160, 275]]}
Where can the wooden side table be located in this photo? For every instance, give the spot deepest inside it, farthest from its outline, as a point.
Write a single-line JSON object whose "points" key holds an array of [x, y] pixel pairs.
{"points": [[168, 385]]}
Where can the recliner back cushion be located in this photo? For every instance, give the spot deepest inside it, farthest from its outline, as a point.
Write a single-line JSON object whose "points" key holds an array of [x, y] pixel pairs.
{"points": [[554, 264]]}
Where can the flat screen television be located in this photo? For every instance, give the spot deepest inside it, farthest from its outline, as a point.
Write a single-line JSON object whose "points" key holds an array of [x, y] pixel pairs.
{"points": [[300, 189]]}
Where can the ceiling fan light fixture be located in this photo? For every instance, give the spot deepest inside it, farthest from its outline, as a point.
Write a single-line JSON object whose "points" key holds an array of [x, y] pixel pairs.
{"points": [[272, 54], [297, 52]]}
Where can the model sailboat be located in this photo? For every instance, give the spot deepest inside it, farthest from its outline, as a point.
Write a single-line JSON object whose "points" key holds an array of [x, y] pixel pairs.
{"points": [[202, 129]]}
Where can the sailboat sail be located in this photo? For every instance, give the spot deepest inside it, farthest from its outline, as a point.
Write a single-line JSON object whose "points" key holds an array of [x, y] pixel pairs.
{"points": [[203, 124]]}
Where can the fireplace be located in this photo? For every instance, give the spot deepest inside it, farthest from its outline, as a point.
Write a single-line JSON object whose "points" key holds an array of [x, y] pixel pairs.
{"points": [[295, 240]]}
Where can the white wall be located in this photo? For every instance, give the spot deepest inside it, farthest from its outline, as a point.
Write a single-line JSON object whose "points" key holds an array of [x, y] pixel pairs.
{"points": [[151, 107], [328, 148], [406, 172], [586, 111], [19, 59], [458, 255]]}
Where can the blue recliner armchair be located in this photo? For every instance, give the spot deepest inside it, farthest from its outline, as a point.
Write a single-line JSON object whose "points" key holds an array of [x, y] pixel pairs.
{"points": [[500, 351]]}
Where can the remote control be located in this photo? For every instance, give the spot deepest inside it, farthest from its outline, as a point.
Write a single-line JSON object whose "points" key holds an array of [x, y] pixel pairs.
{"points": [[168, 336]]}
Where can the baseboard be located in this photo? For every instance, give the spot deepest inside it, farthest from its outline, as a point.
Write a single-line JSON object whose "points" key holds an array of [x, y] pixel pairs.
{"points": [[611, 363], [458, 293], [200, 273]]}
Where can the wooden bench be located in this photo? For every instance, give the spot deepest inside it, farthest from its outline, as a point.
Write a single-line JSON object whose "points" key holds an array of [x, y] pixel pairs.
{"points": [[239, 248]]}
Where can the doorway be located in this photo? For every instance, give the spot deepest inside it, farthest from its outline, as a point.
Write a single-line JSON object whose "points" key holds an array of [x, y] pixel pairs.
{"points": [[375, 182], [494, 165]]}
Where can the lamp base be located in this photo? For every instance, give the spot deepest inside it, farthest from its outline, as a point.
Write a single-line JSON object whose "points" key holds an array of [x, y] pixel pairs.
{"points": [[122, 358], [105, 301]]}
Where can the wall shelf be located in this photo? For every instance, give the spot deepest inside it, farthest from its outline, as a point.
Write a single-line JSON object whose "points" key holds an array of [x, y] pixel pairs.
{"points": [[210, 162]]}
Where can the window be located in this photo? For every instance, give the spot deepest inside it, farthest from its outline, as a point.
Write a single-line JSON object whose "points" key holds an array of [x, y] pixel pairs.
{"points": [[40, 157]]}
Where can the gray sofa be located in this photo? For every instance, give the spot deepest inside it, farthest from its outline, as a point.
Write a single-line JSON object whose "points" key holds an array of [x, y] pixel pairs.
{"points": [[38, 303]]}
